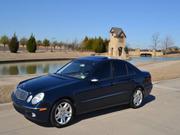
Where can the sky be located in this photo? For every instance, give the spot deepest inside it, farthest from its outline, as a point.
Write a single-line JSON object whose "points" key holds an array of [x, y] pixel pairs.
{"points": [[69, 20]]}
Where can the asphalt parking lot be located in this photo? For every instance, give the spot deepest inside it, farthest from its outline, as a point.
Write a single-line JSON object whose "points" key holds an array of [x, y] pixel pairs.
{"points": [[160, 115]]}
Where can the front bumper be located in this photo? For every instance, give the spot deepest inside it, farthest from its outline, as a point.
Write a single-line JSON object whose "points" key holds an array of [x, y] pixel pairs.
{"points": [[32, 113]]}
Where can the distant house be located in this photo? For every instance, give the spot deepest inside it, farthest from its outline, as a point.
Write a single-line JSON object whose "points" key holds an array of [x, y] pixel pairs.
{"points": [[117, 43]]}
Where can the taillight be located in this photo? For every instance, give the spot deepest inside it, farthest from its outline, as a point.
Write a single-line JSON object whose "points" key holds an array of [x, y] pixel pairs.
{"points": [[148, 79]]}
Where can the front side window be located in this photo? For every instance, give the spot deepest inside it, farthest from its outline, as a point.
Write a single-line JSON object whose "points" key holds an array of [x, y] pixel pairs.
{"points": [[78, 69], [103, 71], [119, 68]]}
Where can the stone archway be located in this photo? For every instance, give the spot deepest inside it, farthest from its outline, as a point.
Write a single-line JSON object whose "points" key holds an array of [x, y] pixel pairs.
{"points": [[119, 51], [111, 52]]}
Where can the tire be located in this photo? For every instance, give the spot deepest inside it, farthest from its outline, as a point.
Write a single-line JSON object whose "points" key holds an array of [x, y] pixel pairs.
{"points": [[62, 113], [137, 98]]}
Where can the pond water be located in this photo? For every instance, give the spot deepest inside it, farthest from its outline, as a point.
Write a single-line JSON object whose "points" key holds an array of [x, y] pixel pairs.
{"points": [[52, 66], [31, 67], [134, 60]]}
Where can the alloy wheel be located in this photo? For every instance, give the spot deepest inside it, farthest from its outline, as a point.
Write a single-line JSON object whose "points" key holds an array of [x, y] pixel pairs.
{"points": [[63, 113], [137, 97]]}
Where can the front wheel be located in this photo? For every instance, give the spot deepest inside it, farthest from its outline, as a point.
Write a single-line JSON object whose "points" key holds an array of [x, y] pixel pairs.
{"points": [[62, 113], [137, 98]]}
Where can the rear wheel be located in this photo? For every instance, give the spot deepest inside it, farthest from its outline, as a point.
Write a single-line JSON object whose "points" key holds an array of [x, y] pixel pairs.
{"points": [[137, 98], [62, 113]]}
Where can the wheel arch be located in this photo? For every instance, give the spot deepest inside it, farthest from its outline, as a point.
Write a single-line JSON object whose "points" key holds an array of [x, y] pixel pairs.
{"points": [[141, 87]]}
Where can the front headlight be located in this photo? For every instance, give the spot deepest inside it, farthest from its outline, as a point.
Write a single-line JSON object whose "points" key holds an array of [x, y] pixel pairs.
{"points": [[37, 98]]}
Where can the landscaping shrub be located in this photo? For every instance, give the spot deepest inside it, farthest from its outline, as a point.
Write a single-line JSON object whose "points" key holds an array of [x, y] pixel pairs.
{"points": [[98, 45], [31, 44], [13, 44]]}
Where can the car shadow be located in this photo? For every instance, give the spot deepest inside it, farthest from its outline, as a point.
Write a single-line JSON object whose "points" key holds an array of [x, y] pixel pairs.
{"points": [[148, 99], [81, 117], [42, 124]]}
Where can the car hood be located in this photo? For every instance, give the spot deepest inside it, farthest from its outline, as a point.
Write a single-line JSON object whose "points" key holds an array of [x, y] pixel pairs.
{"points": [[44, 83]]}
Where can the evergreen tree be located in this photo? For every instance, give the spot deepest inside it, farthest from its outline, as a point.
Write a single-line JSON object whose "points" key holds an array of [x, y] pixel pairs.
{"points": [[97, 45], [84, 43], [89, 45], [85, 39], [31, 44], [106, 44], [13, 44]]}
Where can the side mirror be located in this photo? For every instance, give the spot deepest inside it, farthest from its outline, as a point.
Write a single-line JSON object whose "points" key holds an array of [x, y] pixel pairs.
{"points": [[94, 80]]}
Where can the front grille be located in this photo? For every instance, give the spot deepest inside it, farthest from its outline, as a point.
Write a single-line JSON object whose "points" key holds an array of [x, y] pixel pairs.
{"points": [[21, 94]]}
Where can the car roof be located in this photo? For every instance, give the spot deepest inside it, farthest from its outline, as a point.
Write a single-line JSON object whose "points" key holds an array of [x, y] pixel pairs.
{"points": [[98, 58], [94, 58]]}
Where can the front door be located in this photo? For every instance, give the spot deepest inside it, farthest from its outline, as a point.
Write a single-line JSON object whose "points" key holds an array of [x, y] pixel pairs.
{"points": [[98, 94]]}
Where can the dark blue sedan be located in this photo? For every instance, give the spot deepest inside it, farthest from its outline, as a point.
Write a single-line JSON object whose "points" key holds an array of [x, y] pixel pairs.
{"points": [[83, 85]]}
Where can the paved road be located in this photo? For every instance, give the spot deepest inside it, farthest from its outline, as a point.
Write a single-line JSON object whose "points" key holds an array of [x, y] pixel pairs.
{"points": [[159, 116]]}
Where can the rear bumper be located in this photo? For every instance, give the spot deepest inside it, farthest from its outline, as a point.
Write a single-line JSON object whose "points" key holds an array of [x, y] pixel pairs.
{"points": [[148, 89], [32, 113]]}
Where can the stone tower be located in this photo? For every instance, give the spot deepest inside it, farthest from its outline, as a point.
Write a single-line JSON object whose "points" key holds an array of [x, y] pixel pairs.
{"points": [[117, 43]]}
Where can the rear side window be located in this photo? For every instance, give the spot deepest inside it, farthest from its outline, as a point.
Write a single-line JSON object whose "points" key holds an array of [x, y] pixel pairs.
{"points": [[119, 68], [103, 71], [131, 69]]}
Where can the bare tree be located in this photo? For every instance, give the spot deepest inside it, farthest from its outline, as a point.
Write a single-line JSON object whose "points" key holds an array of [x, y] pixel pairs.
{"points": [[55, 43], [155, 40], [23, 41], [167, 43], [75, 45], [4, 40]]}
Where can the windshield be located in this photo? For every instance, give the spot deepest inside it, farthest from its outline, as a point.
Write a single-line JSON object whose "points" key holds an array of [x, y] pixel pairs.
{"points": [[78, 69]]}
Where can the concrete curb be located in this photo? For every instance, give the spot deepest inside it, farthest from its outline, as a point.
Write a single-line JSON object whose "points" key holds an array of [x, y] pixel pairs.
{"points": [[155, 82], [6, 106]]}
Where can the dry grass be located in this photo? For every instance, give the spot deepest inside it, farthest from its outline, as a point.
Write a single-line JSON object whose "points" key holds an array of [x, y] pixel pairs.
{"points": [[163, 70]]}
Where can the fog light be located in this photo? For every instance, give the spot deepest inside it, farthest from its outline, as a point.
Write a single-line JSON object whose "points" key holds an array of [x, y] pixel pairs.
{"points": [[33, 115], [29, 98]]}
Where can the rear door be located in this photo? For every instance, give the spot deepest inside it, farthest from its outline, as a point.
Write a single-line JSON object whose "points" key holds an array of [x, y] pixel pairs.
{"points": [[122, 83]]}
